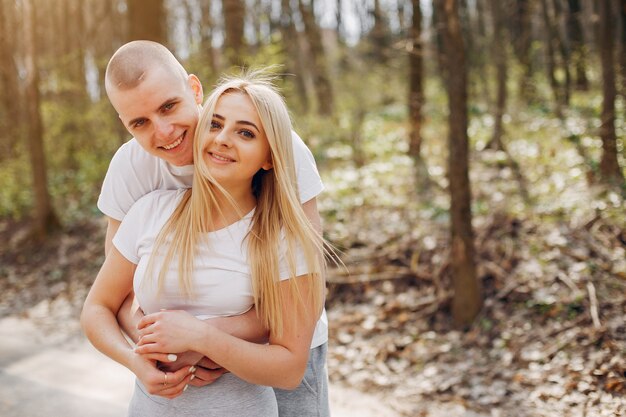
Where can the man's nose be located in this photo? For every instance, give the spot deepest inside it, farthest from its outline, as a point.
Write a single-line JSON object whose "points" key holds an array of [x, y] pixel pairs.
{"points": [[163, 129]]}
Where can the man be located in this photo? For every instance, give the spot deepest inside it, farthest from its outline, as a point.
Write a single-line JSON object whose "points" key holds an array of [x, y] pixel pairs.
{"points": [[159, 104]]}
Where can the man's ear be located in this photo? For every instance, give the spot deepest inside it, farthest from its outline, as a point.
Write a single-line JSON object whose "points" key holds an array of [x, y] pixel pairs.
{"points": [[196, 87]]}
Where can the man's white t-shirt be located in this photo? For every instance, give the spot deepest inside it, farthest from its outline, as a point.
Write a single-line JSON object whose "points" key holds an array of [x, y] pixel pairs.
{"points": [[134, 173]]}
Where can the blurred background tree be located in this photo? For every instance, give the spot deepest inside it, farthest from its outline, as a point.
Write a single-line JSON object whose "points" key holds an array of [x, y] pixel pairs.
{"points": [[374, 86]]}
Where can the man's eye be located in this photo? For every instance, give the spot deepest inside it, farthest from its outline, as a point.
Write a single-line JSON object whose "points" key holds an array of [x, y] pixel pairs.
{"points": [[139, 123], [169, 106]]}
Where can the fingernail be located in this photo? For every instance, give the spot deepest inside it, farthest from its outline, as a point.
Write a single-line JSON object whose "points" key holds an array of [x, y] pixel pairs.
{"points": [[185, 389], [171, 357], [192, 369], [192, 377]]}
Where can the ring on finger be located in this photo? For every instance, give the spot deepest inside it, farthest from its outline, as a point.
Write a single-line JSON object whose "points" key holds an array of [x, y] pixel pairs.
{"points": [[164, 379]]}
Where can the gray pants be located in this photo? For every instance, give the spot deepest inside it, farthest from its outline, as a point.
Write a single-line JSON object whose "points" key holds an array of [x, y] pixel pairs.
{"points": [[229, 396], [310, 399]]}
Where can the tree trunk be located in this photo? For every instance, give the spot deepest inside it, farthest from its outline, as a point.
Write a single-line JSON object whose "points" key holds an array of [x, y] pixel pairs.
{"points": [[466, 31], [74, 92], [295, 55], [564, 50], [401, 17], [610, 170], [147, 20], [206, 38], [521, 37], [256, 16], [380, 34], [323, 89], [44, 217], [416, 89], [339, 18], [550, 59], [481, 51], [11, 96], [467, 300], [577, 42], [622, 11], [234, 18], [438, 23], [500, 59]]}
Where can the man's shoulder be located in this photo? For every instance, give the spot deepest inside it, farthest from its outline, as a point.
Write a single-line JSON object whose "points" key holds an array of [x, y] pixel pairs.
{"points": [[132, 152], [158, 201]]}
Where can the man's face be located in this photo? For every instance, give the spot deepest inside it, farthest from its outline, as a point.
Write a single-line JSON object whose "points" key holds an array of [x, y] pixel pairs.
{"points": [[162, 113]]}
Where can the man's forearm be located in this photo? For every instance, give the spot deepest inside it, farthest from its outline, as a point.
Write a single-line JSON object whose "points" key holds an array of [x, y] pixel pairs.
{"points": [[247, 326], [128, 316]]}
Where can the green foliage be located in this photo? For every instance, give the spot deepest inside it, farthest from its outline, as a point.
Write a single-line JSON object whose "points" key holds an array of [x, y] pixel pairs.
{"points": [[79, 141], [15, 186]]}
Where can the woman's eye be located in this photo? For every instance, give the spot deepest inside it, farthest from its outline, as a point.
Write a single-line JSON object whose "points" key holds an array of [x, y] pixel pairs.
{"points": [[248, 134], [215, 125]]}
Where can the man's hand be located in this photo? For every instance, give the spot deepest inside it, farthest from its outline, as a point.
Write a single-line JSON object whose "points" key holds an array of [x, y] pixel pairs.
{"points": [[206, 376], [157, 382], [206, 371]]}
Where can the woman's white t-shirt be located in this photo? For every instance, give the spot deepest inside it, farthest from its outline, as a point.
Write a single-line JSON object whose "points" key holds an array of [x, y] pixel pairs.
{"points": [[134, 173]]}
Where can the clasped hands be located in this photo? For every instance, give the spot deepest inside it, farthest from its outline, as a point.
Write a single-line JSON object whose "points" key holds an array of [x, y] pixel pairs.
{"points": [[166, 340]]}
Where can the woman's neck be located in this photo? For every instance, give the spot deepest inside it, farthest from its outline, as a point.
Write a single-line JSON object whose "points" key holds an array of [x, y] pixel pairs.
{"points": [[242, 201]]}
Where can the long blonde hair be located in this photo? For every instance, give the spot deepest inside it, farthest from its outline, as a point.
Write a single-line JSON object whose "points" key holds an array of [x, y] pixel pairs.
{"points": [[279, 224]]}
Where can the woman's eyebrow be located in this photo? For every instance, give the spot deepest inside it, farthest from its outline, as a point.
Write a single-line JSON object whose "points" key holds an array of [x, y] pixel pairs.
{"points": [[239, 122]]}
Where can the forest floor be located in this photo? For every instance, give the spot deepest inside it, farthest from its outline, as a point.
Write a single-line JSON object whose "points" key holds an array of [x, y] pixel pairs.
{"points": [[551, 256], [550, 341]]}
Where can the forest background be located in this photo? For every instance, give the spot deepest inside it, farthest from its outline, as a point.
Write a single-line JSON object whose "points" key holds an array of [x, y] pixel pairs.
{"points": [[473, 157]]}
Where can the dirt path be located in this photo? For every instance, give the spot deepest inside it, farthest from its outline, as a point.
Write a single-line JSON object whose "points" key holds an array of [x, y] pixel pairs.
{"points": [[45, 373]]}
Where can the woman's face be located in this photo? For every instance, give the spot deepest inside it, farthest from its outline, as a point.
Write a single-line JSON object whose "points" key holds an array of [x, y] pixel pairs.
{"points": [[236, 146]]}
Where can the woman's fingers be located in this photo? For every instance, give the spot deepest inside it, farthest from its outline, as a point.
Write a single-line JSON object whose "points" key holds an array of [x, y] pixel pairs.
{"points": [[147, 320], [149, 339], [174, 389], [161, 357], [170, 384]]}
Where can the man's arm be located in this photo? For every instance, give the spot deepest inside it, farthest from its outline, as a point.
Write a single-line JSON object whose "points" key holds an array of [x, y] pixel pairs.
{"points": [[128, 315], [311, 211], [246, 326], [112, 226]]}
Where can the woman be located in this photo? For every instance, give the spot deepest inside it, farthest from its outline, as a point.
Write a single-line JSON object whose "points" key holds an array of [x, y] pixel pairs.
{"points": [[237, 239]]}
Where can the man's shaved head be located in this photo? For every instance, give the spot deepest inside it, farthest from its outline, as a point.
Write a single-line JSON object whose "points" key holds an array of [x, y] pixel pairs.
{"points": [[132, 62]]}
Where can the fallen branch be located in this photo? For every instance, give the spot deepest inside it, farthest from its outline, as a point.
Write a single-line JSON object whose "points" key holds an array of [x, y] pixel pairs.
{"points": [[593, 305], [339, 277], [568, 281]]}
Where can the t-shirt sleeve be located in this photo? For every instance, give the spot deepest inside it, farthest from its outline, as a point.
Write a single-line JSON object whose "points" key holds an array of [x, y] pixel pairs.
{"points": [[309, 181], [123, 185], [302, 268]]}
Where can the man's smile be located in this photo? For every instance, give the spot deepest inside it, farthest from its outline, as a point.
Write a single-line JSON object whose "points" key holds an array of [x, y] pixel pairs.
{"points": [[175, 143]]}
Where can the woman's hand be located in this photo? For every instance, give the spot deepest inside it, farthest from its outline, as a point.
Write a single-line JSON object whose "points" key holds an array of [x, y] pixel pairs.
{"points": [[171, 331], [157, 382], [187, 359]]}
